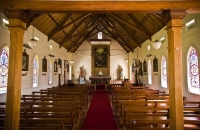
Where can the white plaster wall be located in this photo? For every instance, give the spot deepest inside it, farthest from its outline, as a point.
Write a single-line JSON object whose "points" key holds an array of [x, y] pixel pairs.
{"points": [[42, 49], [83, 59], [191, 37]]}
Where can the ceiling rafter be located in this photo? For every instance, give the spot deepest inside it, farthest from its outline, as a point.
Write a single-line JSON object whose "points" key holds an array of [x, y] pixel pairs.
{"points": [[72, 32], [120, 33], [55, 22], [78, 34], [116, 39], [94, 20], [50, 35], [72, 22], [130, 25], [72, 45], [88, 36], [125, 41], [141, 24], [159, 17], [32, 19], [128, 32]]}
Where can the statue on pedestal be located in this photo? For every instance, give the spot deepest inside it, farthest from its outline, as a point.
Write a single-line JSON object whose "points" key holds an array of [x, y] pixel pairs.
{"points": [[120, 72], [80, 72]]}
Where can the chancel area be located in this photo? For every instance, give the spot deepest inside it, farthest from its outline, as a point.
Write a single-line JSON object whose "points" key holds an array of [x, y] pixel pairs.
{"points": [[97, 65]]}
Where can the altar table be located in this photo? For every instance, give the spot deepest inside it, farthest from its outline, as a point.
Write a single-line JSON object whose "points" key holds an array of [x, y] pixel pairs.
{"points": [[100, 79]]}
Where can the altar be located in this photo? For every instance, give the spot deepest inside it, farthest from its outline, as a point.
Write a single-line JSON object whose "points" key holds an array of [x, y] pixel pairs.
{"points": [[100, 79]]}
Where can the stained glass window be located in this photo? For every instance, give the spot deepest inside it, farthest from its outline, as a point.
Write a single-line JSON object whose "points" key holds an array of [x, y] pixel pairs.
{"points": [[35, 71], [99, 35], [164, 72], [193, 71], [4, 55], [50, 72], [149, 72]]}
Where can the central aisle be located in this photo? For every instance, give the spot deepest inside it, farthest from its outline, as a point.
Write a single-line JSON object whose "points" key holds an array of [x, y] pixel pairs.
{"points": [[100, 115]]}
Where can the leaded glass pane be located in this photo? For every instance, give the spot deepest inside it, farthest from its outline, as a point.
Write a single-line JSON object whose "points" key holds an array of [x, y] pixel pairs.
{"points": [[50, 72], [4, 70], [149, 72], [35, 71], [194, 68], [164, 72]]}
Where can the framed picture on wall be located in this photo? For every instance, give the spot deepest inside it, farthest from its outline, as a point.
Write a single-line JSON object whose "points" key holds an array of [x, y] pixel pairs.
{"points": [[145, 67], [44, 64], [55, 66], [66, 65], [25, 60], [155, 64], [100, 57]]}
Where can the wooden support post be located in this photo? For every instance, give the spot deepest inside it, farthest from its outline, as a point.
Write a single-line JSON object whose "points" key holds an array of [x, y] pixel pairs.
{"points": [[174, 28], [16, 27]]}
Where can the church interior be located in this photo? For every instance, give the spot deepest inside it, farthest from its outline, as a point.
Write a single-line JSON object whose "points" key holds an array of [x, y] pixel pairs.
{"points": [[132, 56]]}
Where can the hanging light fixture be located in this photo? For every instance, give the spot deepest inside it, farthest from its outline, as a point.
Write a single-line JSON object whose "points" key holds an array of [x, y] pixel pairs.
{"points": [[156, 44], [72, 61], [33, 41], [126, 61], [26, 45]]}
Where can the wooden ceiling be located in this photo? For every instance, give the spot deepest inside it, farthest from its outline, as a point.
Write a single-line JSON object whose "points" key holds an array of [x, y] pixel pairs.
{"points": [[130, 23]]}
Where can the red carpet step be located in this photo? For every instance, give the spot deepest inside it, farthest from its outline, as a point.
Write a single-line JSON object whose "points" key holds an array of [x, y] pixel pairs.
{"points": [[99, 116]]}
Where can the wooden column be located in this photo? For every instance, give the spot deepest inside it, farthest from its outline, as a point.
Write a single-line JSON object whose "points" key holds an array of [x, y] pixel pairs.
{"points": [[16, 27], [174, 27]]}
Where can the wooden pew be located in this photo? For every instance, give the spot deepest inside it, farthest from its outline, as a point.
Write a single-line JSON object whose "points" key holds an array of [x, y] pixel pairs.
{"points": [[157, 113], [38, 128], [139, 124], [137, 97], [62, 94], [145, 112], [43, 123], [135, 103]]}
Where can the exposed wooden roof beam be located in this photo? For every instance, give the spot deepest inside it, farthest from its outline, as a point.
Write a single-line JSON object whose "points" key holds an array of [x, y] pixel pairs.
{"points": [[97, 6], [116, 39], [78, 34], [125, 42], [128, 32], [55, 22], [71, 48], [31, 19], [120, 33], [62, 26], [159, 17], [88, 35], [72, 32], [131, 25], [59, 26], [140, 24]]}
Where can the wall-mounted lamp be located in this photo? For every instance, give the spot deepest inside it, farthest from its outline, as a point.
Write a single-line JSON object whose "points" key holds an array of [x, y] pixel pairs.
{"points": [[71, 61], [126, 61]]}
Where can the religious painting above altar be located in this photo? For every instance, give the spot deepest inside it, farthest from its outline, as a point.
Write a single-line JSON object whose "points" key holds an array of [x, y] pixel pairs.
{"points": [[100, 57]]}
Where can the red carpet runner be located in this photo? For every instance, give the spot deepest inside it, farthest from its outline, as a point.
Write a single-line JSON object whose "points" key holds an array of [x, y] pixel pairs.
{"points": [[99, 116]]}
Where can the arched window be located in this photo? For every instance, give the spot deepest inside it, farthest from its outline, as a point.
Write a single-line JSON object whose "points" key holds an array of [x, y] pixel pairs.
{"points": [[164, 72], [50, 79], [193, 71], [4, 55], [99, 35], [35, 71], [149, 72]]}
